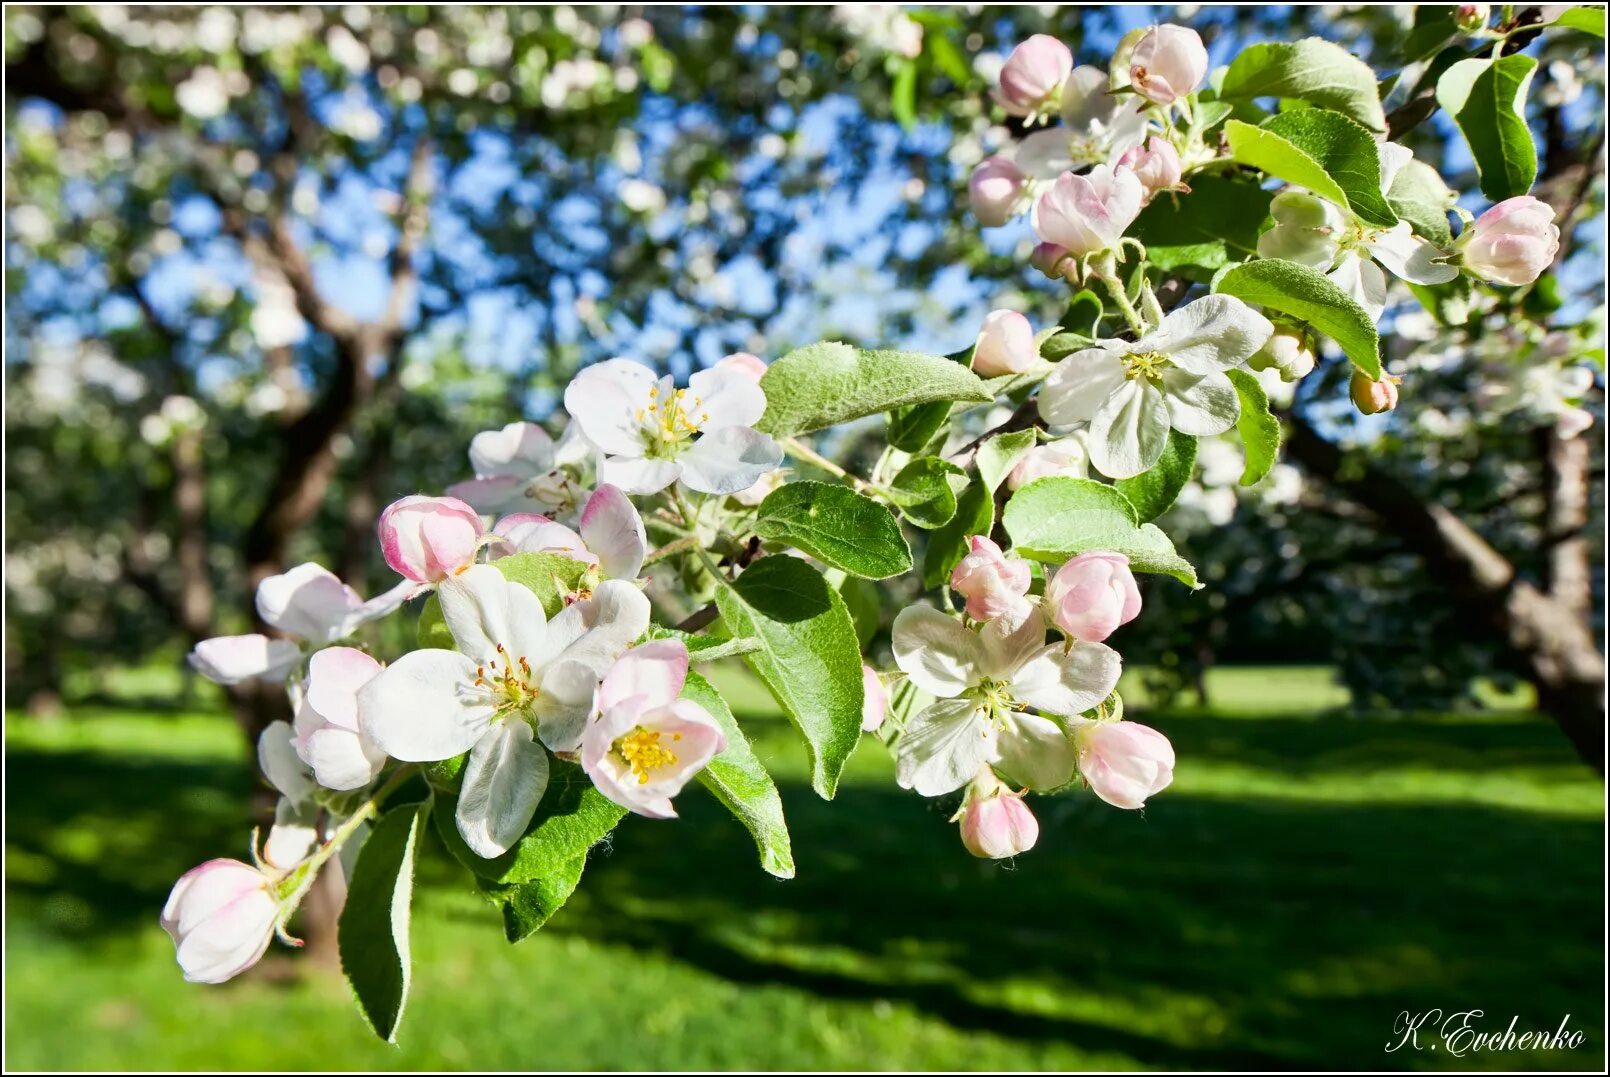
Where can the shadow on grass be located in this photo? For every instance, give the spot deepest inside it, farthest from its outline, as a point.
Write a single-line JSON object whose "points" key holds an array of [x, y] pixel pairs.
{"points": [[1206, 933]]}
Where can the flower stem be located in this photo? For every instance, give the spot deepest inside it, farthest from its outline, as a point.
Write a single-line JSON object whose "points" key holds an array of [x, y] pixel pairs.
{"points": [[1106, 268], [798, 449]]}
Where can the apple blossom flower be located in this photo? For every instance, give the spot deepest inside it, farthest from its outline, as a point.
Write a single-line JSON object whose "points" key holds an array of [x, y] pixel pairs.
{"points": [[1064, 456], [1092, 595], [1372, 396], [1513, 242], [1133, 392], [1005, 345], [514, 673], [995, 191], [1033, 74], [328, 736], [1168, 63], [755, 494], [611, 535], [1124, 762], [230, 660], [1289, 353], [996, 824], [1098, 128], [1157, 164], [1088, 214], [982, 680], [1054, 262], [428, 539], [1314, 232], [295, 830], [993, 584], [874, 700], [752, 366], [220, 916], [654, 434], [646, 742], [520, 469]]}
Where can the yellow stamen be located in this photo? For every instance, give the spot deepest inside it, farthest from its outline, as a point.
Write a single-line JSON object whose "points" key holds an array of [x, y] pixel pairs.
{"points": [[642, 751]]}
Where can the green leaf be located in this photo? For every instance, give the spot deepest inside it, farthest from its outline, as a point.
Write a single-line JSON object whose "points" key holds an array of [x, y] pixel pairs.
{"points": [[739, 780], [809, 656], [975, 515], [1321, 150], [1419, 196], [865, 603], [373, 929], [550, 576], [912, 428], [903, 95], [1313, 70], [828, 383], [1487, 99], [837, 526], [924, 493], [1154, 490], [948, 58], [1082, 317], [1217, 222], [1055, 518], [998, 455], [1590, 20], [527, 907], [1259, 429], [1433, 27], [1449, 303], [571, 818], [1306, 294]]}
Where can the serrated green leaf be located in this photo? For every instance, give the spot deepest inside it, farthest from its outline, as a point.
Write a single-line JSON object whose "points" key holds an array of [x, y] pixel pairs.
{"points": [[809, 656], [998, 455], [373, 930], [1055, 518], [740, 781], [837, 526], [828, 383], [1154, 490], [1259, 429], [1215, 223], [1314, 70], [1321, 150], [1419, 196], [1306, 294], [975, 515], [571, 818], [924, 493], [1487, 99]]}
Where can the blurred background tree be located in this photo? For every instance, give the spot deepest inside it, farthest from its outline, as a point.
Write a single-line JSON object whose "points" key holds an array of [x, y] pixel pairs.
{"points": [[269, 268]]}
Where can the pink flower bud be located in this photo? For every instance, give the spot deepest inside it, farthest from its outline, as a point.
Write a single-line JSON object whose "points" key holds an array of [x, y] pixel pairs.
{"points": [[1089, 213], [994, 190], [1124, 762], [220, 916], [427, 539], [1168, 63], [993, 583], [1065, 456], [1514, 242], [1288, 351], [874, 700], [996, 823], [1032, 77], [1054, 261], [1472, 17], [744, 363], [1092, 595], [1374, 397], [1157, 164], [1005, 345]]}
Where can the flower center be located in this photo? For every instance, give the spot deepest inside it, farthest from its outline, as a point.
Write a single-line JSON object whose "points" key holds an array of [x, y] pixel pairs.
{"points": [[670, 418], [995, 697], [509, 680], [642, 751], [1148, 365]]}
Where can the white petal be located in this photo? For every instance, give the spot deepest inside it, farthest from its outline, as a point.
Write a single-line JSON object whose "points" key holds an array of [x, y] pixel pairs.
{"points": [[1392, 158], [730, 459], [943, 747], [1216, 332], [483, 610], [277, 759], [1035, 752], [520, 449], [424, 707], [334, 676], [387, 601], [1409, 256], [1130, 430], [639, 476], [1203, 405], [310, 602], [1068, 681], [1078, 385], [597, 630], [504, 780], [613, 531], [294, 834], [233, 659], [565, 703], [1045, 155], [342, 758], [1009, 642], [938, 652], [1363, 280], [727, 396], [529, 532], [604, 400]]}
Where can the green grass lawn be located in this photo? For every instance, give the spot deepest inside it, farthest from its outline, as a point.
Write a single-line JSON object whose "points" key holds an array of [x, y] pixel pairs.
{"points": [[1309, 876]]}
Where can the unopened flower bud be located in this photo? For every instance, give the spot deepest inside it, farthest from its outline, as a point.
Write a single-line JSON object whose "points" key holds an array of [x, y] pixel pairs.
{"points": [[1005, 345], [993, 583], [1513, 242], [1471, 18], [752, 366], [1092, 595], [1089, 213], [1054, 261], [1373, 397], [1288, 351], [1033, 75], [1065, 456], [1157, 164], [995, 190], [220, 916], [427, 539], [1168, 63], [1124, 762], [996, 824]]}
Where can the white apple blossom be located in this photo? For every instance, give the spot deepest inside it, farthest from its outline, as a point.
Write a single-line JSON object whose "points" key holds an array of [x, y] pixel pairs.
{"points": [[1097, 128], [982, 681], [514, 676], [1133, 392], [654, 434], [521, 469], [328, 737], [610, 535]]}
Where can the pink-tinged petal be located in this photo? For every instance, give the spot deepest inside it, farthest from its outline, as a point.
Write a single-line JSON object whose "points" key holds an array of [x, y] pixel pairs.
{"points": [[613, 531], [1124, 762], [309, 602], [1092, 595], [519, 449], [999, 826], [728, 397], [425, 707], [874, 700], [220, 916], [992, 583], [494, 494], [342, 758], [504, 779], [995, 189], [729, 460], [751, 366], [1005, 345], [427, 539], [604, 400], [334, 676], [1033, 74], [654, 671], [1168, 63], [641, 756], [236, 659], [529, 532]]}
